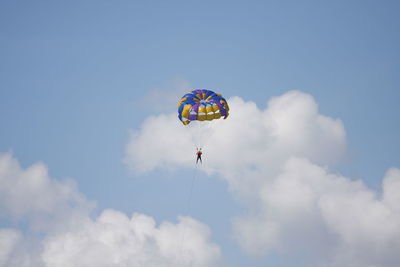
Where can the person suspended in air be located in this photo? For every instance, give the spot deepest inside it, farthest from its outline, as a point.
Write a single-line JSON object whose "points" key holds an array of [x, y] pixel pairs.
{"points": [[199, 156]]}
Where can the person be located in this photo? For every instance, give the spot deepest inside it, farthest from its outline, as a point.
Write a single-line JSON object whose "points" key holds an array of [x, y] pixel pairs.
{"points": [[199, 156]]}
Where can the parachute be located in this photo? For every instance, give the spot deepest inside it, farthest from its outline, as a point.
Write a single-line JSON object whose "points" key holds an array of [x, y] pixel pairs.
{"points": [[202, 105]]}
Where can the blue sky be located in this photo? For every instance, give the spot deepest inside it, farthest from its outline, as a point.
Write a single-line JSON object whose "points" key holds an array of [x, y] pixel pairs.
{"points": [[77, 77]]}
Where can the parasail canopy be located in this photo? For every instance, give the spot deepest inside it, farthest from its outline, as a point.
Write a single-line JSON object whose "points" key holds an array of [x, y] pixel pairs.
{"points": [[202, 105]]}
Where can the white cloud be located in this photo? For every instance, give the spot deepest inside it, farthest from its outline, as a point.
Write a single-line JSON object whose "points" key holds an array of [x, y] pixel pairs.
{"points": [[324, 217], [18, 250], [276, 159], [160, 143], [30, 194], [116, 240], [8, 240], [61, 233]]}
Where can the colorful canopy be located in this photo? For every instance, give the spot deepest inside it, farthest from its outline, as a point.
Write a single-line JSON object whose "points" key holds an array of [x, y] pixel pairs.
{"points": [[202, 105]]}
